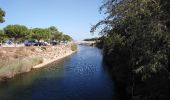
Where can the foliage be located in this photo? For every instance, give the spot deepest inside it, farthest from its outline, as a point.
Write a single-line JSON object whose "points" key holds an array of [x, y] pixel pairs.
{"points": [[10, 67], [53, 29], [137, 40], [67, 38], [99, 41], [73, 47], [16, 31], [2, 15], [56, 35], [21, 33], [92, 39], [2, 36], [39, 33]]}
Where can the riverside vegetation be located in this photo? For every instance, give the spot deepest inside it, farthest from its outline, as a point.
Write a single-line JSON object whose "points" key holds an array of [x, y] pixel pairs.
{"points": [[16, 60], [20, 33], [136, 45]]}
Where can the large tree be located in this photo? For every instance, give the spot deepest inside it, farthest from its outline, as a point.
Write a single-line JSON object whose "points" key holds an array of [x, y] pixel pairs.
{"points": [[57, 36], [66, 38], [2, 36], [40, 33], [53, 29], [16, 31], [2, 15], [137, 43], [54, 32]]}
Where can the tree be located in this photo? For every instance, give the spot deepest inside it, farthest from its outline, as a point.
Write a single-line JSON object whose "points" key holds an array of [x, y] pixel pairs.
{"points": [[53, 29], [16, 31], [66, 38], [2, 36], [58, 36], [91, 39], [2, 15], [137, 42], [54, 32], [40, 33]]}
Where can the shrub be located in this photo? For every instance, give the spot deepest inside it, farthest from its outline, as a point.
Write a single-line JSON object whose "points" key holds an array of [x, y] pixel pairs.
{"points": [[73, 47], [10, 67]]}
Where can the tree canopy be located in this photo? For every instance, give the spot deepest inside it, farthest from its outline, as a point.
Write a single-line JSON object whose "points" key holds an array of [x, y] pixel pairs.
{"points": [[2, 36], [16, 31], [21, 33], [39, 33], [56, 35], [67, 38], [2, 15], [137, 39]]}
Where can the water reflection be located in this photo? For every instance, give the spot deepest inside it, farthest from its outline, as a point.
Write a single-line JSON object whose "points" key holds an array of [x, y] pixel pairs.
{"points": [[80, 76]]}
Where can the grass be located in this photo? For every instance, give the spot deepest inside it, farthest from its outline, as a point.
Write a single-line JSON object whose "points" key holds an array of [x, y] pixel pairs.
{"points": [[10, 67], [19, 60], [73, 47]]}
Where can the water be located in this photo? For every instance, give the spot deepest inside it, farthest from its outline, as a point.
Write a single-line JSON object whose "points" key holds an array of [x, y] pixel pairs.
{"points": [[81, 76]]}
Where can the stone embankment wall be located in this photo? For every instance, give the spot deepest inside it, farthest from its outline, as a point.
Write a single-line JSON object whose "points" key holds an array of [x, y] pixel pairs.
{"points": [[16, 60]]}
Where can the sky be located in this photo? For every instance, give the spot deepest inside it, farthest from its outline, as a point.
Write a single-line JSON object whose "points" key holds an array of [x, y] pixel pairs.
{"points": [[73, 17]]}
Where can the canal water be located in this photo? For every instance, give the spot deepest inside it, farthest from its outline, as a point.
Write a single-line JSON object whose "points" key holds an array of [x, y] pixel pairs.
{"points": [[81, 76]]}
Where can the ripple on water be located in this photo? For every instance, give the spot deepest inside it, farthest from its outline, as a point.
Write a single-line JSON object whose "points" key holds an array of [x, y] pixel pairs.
{"points": [[77, 77]]}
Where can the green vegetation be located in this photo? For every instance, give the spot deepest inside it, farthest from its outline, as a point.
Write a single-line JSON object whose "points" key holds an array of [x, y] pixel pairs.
{"points": [[20, 33], [99, 41], [3, 36], [17, 61], [136, 44], [92, 39], [67, 38], [16, 31], [55, 34], [10, 67], [39, 33], [2, 15], [73, 47]]}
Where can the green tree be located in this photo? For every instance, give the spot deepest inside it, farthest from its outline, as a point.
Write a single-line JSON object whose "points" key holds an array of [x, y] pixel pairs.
{"points": [[57, 36], [67, 38], [53, 29], [2, 15], [2, 36], [54, 32], [137, 44], [40, 33], [16, 31]]}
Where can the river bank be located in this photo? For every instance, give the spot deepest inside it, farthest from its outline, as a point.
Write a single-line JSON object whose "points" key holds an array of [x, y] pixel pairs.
{"points": [[81, 76], [17, 60]]}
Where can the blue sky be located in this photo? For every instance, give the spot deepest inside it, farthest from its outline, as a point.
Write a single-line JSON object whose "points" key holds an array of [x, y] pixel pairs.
{"points": [[73, 17]]}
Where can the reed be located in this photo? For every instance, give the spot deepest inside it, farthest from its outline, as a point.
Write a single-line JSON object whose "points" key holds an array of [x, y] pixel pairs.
{"points": [[11, 67]]}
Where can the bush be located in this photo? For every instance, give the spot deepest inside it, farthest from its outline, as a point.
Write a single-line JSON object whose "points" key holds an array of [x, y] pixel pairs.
{"points": [[10, 67], [73, 47]]}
